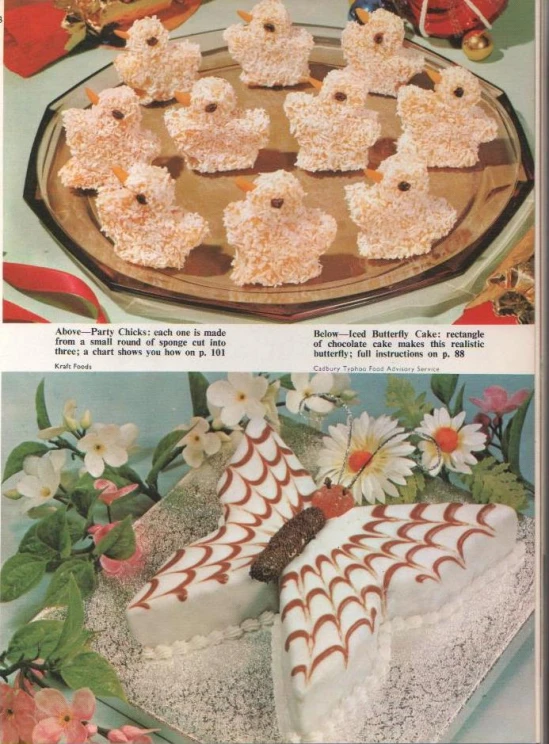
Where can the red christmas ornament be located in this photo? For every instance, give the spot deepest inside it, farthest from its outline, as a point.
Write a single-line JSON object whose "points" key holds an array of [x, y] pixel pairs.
{"points": [[450, 18]]}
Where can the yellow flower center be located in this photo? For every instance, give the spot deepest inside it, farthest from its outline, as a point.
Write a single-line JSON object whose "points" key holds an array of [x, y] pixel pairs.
{"points": [[359, 460], [99, 448], [196, 438], [241, 397], [45, 492], [447, 439]]}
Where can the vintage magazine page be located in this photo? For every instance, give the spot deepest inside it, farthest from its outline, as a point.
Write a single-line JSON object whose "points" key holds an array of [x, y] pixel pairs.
{"points": [[270, 378]]}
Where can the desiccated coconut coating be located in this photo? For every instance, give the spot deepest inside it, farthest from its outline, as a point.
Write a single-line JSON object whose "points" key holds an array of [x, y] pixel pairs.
{"points": [[398, 218], [446, 124], [334, 129], [153, 66], [212, 133], [107, 133], [269, 49], [375, 50], [143, 223], [278, 239]]}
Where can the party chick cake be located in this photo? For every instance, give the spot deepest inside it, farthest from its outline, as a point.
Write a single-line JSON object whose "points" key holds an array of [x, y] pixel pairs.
{"points": [[333, 126], [336, 581]]}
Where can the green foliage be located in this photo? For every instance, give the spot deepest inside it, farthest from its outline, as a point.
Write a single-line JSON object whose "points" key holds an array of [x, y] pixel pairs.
{"points": [[492, 482], [415, 485], [444, 387], [411, 408], [19, 574], [37, 639], [71, 638], [44, 510], [119, 543], [165, 452], [16, 458], [513, 436], [83, 573], [33, 545], [84, 499], [198, 385], [89, 669], [458, 403], [42, 418], [286, 382], [54, 532]]}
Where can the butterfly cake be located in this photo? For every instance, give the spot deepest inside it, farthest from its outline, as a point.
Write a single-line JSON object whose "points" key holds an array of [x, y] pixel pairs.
{"points": [[358, 575]]}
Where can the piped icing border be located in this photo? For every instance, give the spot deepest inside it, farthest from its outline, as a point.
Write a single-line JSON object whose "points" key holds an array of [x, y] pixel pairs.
{"points": [[358, 696], [198, 642]]}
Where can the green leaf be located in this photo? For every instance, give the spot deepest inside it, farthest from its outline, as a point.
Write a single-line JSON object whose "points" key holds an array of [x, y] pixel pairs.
{"points": [[54, 532], [16, 458], [84, 575], [44, 510], [400, 394], [34, 546], [42, 418], [444, 387], [119, 543], [37, 639], [91, 670], [77, 527], [458, 404], [167, 445], [71, 635], [515, 434], [286, 382], [491, 482], [20, 574], [415, 484], [84, 500], [198, 385]]}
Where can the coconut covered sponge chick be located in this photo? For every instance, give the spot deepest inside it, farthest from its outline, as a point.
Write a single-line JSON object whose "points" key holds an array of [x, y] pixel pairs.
{"points": [[152, 66], [108, 132], [278, 239], [334, 129], [446, 124], [139, 215], [374, 48], [270, 50], [398, 217], [212, 133]]}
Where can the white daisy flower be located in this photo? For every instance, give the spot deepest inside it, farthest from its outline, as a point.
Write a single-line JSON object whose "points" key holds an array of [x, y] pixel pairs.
{"points": [[42, 478], [376, 458], [308, 393], [447, 443], [199, 442], [107, 444], [238, 396]]}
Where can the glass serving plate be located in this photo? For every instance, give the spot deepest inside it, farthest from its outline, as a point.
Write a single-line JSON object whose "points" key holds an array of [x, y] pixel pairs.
{"points": [[485, 196]]}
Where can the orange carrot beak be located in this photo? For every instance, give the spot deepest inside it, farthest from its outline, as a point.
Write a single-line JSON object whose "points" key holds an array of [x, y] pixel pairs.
{"points": [[92, 95], [362, 15], [243, 184], [314, 82], [435, 76], [375, 175], [248, 17], [122, 34], [182, 97], [120, 173]]}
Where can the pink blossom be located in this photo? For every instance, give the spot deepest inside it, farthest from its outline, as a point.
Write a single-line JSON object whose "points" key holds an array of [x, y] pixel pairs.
{"points": [[111, 566], [110, 492], [63, 720], [497, 400], [130, 734], [17, 715]]}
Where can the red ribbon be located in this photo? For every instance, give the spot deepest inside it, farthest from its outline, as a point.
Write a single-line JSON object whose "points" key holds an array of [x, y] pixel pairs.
{"points": [[37, 279]]}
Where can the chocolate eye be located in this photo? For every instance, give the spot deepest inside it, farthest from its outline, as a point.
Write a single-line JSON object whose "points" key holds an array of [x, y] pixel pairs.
{"points": [[340, 96], [117, 114], [277, 203], [269, 27], [404, 186], [459, 92], [141, 198], [378, 39], [153, 41], [210, 108]]}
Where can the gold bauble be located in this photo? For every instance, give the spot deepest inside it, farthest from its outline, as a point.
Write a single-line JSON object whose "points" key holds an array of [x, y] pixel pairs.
{"points": [[477, 45]]}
